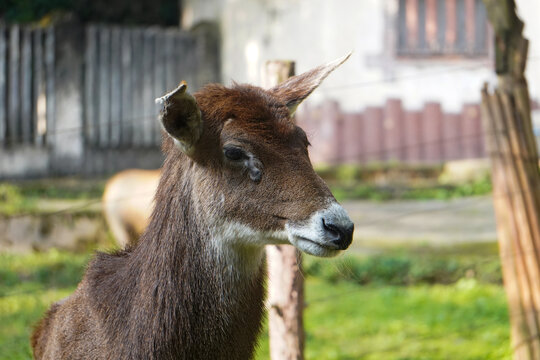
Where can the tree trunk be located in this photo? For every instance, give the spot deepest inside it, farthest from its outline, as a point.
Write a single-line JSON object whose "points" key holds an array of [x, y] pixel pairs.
{"points": [[285, 280], [516, 180]]}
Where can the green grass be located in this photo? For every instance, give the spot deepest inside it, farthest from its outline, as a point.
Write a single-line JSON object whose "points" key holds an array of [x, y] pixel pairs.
{"points": [[62, 188], [380, 182], [28, 285], [373, 172], [407, 267], [368, 191], [12, 201], [462, 321], [343, 320], [29, 197]]}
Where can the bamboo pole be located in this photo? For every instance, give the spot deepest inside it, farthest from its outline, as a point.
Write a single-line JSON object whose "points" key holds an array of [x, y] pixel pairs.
{"points": [[285, 281], [506, 228], [516, 180]]}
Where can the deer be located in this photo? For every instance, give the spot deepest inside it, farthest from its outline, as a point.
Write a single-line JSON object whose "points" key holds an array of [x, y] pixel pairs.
{"points": [[127, 203], [236, 177]]}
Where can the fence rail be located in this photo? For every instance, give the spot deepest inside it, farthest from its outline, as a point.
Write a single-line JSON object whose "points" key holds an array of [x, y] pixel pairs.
{"points": [[390, 133]]}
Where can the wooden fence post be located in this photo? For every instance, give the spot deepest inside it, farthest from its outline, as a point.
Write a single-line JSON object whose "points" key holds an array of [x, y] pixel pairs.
{"points": [[67, 65], [3, 85], [285, 281], [516, 180]]}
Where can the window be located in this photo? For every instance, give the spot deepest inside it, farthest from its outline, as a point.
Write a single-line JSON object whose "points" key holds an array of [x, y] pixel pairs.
{"points": [[428, 28]]}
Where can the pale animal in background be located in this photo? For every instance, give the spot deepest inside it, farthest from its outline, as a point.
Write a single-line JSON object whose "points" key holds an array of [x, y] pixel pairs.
{"points": [[236, 177], [128, 202]]}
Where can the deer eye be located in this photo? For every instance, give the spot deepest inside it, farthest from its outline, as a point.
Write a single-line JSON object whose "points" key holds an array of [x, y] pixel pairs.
{"points": [[234, 153]]}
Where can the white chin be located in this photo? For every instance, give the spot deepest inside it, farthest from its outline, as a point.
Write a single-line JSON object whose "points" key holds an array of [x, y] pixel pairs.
{"points": [[312, 248]]}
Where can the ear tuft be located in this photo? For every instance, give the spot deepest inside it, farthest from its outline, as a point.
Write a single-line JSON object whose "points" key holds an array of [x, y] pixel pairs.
{"points": [[293, 91], [181, 117], [180, 89]]}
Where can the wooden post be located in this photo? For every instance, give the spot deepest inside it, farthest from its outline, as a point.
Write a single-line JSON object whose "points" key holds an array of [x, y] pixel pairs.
{"points": [[66, 64], [3, 85], [91, 131], [104, 101], [27, 129], [38, 99], [516, 180], [50, 94], [13, 104], [148, 45], [116, 87], [285, 280], [127, 119]]}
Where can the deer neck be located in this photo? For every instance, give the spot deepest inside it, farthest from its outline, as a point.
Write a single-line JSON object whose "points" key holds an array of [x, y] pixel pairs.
{"points": [[180, 225], [197, 297]]}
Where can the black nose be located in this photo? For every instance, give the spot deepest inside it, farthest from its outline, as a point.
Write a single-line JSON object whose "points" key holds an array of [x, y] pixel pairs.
{"points": [[339, 235]]}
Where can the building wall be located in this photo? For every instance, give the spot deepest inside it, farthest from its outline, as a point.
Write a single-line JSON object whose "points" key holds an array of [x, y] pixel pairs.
{"points": [[529, 11], [315, 31]]}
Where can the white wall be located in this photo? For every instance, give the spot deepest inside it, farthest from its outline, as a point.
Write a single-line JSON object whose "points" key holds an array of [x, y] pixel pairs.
{"points": [[315, 31], [529, 12]]}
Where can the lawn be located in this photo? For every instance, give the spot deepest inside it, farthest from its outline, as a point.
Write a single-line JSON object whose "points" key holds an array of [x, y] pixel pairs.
{"points": [[343, 319], [28, 285], [462, 321]]}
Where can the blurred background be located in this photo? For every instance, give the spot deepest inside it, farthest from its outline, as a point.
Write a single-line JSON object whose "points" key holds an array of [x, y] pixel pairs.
{"points": [[396, 132]]}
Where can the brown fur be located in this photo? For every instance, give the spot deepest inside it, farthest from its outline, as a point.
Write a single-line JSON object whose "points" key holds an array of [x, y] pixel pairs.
{"points": [[178, 294]]}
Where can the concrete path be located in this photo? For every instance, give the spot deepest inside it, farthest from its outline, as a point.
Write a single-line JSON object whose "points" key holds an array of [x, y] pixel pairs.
{"points": [[381, 224], [430, 222]]}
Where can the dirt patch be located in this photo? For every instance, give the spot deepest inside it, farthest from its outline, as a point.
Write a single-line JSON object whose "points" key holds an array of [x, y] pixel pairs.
{"points": [[42, 232]]}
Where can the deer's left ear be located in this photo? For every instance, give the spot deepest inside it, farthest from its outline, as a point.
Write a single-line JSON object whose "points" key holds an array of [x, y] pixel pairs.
{"points": [[181, 118], [293, 91]]}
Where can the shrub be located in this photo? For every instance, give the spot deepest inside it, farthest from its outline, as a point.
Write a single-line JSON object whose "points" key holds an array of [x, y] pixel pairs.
{"points": [[405, 269], [11, 199]]}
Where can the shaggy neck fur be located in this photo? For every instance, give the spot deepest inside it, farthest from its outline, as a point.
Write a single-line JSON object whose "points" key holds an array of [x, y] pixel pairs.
{"points": [[177, 295]]}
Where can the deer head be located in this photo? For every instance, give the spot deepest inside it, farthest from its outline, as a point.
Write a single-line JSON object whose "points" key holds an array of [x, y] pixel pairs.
{"points": [[247, 163]]}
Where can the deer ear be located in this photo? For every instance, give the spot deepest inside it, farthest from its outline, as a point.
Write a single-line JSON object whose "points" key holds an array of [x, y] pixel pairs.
{"points": [[297, 88], [181, 117]]}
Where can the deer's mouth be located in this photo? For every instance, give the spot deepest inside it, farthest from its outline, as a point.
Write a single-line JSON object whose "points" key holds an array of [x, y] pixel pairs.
{"points": [[313, 247]]}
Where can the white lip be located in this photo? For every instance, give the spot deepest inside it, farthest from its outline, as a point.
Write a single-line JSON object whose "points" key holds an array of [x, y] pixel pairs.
{"points": [[312, 247]]}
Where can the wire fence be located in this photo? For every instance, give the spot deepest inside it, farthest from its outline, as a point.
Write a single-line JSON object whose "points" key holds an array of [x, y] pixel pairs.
{"points": [[445, 208], [449, 207], [417, 76], [409, 77], [130, 121], [386, 151]]}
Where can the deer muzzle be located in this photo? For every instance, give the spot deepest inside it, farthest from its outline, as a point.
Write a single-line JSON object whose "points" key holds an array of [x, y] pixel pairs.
{"points": [[325, 233]]}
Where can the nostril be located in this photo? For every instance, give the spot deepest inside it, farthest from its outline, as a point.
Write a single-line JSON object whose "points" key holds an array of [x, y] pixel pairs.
{"points": [[333, 230], [349, 229], [341, 236]]}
